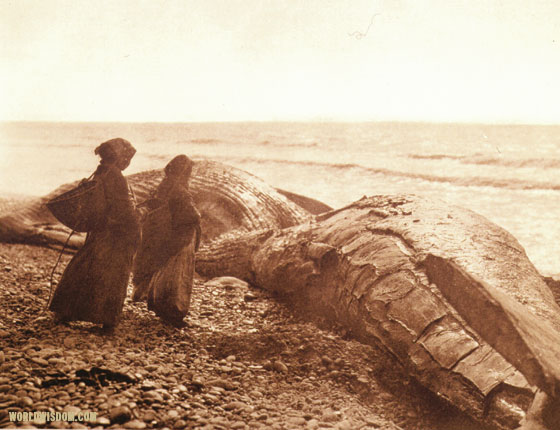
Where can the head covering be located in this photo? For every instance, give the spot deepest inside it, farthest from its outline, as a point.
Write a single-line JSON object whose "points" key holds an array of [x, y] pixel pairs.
{"points": [[181, 165], [177, 173], [115, 150]]}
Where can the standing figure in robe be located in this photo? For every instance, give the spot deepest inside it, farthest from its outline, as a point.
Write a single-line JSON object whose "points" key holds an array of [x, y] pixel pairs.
{"points": [[94, 284], [164, 266]]}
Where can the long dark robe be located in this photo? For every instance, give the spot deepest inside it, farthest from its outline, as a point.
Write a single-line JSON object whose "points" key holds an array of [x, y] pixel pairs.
{"points": [[164, 266], [93, 285]]}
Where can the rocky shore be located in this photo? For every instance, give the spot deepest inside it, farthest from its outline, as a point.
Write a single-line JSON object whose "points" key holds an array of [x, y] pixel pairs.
{"points": [[244, 361]]}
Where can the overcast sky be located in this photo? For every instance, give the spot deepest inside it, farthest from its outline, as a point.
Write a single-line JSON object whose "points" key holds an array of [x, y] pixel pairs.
{"points": [[210, 60]]}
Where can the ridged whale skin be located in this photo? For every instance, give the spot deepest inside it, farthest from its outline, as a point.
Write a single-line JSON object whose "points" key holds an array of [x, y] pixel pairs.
{"points": [[228, 199], [448, 293]]}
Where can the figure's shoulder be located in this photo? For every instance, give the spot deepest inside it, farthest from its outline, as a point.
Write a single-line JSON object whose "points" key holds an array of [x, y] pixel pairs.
{"points": [[182, 193], [107, 170], [112, 176]]}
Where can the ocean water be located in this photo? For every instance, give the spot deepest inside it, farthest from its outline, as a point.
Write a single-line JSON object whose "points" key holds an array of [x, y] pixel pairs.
{"points": [[508, 173]]}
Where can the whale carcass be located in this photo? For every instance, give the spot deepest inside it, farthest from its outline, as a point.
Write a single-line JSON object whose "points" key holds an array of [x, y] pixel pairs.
{"points": [[441, 288], [452, 296], [228, 199]]}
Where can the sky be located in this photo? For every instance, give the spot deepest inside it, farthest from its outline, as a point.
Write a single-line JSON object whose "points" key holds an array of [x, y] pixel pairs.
{"points": [[239, 60]]}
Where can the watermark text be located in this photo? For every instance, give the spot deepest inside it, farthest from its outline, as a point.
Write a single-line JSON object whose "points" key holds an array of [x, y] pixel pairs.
{"points": [[46, 416]]}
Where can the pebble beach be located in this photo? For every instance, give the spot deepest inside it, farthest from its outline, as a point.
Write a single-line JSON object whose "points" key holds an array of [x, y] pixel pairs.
{"points": [[244, 361]]}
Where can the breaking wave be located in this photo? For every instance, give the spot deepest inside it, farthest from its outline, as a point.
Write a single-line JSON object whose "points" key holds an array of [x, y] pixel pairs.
{"points": [[478, 181], [482, 160]]}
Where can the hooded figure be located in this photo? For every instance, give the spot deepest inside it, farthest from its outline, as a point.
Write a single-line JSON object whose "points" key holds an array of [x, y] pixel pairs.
{"points": [[93, 285], [164, 266]]}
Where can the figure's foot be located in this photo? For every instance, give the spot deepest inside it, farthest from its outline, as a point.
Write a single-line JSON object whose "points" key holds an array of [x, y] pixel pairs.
{"points": [[108, 329], [60, 319], [179, 324], [175, 323]]}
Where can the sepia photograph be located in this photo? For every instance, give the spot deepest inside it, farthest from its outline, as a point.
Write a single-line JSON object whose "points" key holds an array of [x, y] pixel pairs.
{"points": [[266, 214]]}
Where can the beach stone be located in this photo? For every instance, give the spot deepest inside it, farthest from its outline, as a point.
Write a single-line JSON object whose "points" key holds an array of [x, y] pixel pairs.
{"points": [[103, 421], [330, 416], [250, 297], [101, 397], [234, 406], [172, 414], [297, 421], [56, 361], [7, 367], [216, 390], [135, 424], [210, 398], [69, 342], [346, 425], [374, 421], [120, 415], [164, 393], [198, 382], [180, 424], [48, 353], [153, 396], [279, 366], [114, 403], [220, 421], [148, 385], [2, 357], [40, 361], [227, 282], [226, 384], [149, 416], [25, 402], [72, 409], [258, 416], [182, 389], [134, 392], [41, 319], [313, 423]]}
